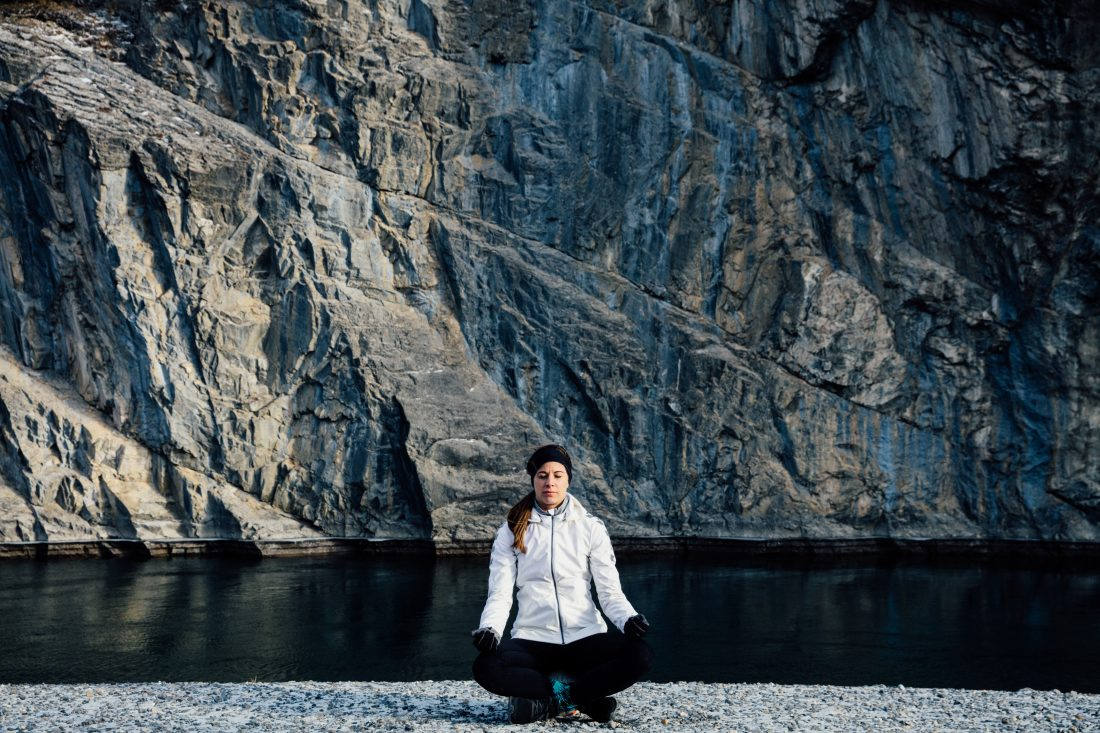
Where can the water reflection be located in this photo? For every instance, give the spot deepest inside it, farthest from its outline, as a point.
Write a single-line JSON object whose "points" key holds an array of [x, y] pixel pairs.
{"points": [[365, 617], [212, 619], [916, 625]]}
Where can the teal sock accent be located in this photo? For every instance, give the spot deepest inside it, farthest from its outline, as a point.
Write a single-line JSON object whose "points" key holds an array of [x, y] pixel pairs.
{"points": [[561, 694]]}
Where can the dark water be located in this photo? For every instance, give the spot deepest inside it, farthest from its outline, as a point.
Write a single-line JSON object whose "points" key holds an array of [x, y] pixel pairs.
{"points": [[384, 618]]}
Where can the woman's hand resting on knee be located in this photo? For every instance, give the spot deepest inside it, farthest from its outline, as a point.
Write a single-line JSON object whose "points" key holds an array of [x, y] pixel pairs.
{"points": [[485, 639], [636, 627]]}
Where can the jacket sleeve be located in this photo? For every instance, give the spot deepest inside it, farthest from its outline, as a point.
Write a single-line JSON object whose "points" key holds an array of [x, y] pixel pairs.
{"points": [[601, 563], [502, 580]]}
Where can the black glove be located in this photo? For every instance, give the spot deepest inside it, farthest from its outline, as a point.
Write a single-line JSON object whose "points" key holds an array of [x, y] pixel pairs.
{"points": [[485, 639], [636, 627]]}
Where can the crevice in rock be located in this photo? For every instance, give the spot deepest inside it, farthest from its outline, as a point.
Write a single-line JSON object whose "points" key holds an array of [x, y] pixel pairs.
{"points": [[14, 466], [155, 225], [839, 30], [408, 478], [122, 518], [1081, 498]]}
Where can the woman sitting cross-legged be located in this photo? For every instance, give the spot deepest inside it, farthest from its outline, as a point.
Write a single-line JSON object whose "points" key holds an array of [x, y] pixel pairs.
{"points": [[561, 658]]}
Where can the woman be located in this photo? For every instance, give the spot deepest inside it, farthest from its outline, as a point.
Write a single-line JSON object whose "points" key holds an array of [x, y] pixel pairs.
{"points": [[561, 657]]}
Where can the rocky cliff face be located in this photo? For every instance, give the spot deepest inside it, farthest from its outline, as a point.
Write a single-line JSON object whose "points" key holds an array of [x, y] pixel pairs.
{"points": [[828, 268]]}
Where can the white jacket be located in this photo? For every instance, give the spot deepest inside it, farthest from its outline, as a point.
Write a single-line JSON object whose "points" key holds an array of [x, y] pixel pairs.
{"points": [[567, 551]]}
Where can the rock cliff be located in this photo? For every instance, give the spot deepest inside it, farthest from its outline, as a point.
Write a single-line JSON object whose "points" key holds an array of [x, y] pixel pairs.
{"points": [[824, 269]]}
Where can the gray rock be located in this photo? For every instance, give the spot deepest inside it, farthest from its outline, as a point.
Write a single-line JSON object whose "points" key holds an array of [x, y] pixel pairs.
{"points": [[819, 269], [448, 705]]}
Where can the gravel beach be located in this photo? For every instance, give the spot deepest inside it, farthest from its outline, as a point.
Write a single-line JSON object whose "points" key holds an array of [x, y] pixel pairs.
{"points": [[463, 706]]}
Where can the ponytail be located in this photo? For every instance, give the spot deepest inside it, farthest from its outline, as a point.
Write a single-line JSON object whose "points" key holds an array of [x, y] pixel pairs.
{"points": [[518, 516]]}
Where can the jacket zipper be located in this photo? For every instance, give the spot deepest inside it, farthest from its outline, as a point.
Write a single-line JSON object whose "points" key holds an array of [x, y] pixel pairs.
{"points": [[554, 578]]}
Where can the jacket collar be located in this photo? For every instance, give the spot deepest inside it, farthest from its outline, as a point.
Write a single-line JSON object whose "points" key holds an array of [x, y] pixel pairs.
{"points": [[570, 511]]}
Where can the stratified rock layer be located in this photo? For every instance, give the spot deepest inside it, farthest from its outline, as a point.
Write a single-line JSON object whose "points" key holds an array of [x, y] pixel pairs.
{"points": [[820, 269]]}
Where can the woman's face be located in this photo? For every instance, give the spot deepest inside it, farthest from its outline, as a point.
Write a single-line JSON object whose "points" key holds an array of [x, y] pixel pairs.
{"points": [[551, 483]]}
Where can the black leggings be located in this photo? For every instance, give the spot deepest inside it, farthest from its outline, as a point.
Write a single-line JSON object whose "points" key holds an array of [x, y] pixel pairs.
{"points": [[600, 665]]}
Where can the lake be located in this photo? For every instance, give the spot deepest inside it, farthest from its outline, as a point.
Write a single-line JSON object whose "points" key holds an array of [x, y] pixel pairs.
{"points": [[370, 617]]}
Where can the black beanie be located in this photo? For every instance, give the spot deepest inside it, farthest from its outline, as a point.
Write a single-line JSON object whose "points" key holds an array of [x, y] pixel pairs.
{"points": [[546, 454]]}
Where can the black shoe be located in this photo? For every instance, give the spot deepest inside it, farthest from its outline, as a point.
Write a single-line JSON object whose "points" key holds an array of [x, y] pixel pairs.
{"points": [[526, 710], [601, 709]]}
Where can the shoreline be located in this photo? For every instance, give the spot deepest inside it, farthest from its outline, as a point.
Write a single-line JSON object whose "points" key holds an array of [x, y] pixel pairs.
{"points": [[796, 548], [434, 707]]}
